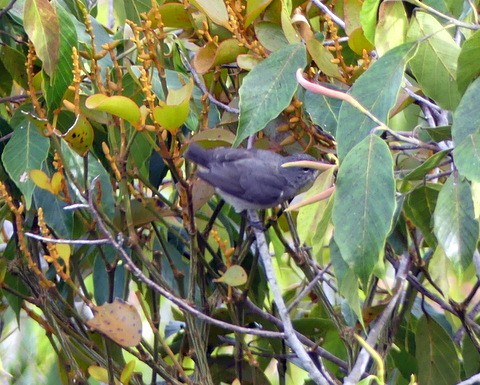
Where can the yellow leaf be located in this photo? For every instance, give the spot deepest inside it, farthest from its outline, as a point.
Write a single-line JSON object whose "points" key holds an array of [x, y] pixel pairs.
{"points": [[127, 372], [80, 135], [56, 183], [234, 276], [98, 373], [64, 252], [41, 180], [120, 106]]}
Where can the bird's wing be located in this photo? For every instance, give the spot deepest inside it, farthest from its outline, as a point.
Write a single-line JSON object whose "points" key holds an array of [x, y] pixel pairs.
{"points": [[230, 177]]}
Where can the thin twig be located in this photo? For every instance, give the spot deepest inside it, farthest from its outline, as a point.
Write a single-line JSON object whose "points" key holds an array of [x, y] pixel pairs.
{"points": [[68, 241], [307, 289], [450, 19], [421, 99], [329, 12]]}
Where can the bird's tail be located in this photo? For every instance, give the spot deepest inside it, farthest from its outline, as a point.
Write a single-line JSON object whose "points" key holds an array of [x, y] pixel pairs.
{"points": [[198, 155]]}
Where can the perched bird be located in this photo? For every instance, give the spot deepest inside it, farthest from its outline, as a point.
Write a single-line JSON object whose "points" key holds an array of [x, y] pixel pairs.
{"points": [[251, 179]]}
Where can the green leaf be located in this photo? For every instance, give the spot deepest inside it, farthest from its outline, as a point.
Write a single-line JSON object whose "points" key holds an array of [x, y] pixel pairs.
{"points": [[466, 120], [471, 357], [437, 358], [391, 29], [214, 9], [432, 162], [435, 63], [377, 91], [270, 35], [56, 85], [175, 15], [312, 220], [33, 147], [254, 9], [118, 105], [14, 62], [60, 220], [234, 276], [214, 54], [364, 204], [42, 27], [358, 42], [347, 280], [268, 89], [6, 79], [323, 111], [466, 133], [468, 62], [323, 58], [134, 8], [467, 157], [454, 221], [419, 207], [368, 18]]}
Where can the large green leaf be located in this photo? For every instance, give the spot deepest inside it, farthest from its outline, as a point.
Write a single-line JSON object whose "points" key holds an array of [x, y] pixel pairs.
{"points": [[364, 204], [468, 62], [42, 27], [466, 133], [437, 358], [377, 91], [56, 85], [268, 89], [26, 151], [435, 63], [454, 221]]}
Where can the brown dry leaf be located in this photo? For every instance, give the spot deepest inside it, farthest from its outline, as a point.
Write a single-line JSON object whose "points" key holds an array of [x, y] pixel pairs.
{"points": [[119, 321]]}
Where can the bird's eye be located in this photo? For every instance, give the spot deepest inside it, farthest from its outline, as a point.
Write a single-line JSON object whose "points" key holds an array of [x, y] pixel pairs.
{"points": [[306, 169]]}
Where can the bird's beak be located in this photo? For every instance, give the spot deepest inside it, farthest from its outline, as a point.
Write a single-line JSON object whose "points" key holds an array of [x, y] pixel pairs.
{"points": [[310, 164]]}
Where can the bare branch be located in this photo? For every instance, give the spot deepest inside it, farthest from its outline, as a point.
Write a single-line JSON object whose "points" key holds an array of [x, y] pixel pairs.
{"points": [[290, 336]]}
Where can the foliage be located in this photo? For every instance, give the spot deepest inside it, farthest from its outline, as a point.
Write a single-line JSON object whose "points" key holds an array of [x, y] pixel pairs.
{"points": [[380, 279]]}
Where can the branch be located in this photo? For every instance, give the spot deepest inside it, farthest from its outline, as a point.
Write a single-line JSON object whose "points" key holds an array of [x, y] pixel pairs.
{"points": [[290, 336]]}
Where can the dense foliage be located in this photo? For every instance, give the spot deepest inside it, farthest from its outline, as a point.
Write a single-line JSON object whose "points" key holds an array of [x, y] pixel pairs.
{"points": [[137, 273]]}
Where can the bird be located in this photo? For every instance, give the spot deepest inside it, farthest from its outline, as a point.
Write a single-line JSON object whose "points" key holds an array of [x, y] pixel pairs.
{"points": [[251, 178]]}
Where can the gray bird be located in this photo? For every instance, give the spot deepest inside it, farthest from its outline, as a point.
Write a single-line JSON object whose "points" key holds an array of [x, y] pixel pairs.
{"points": [[251, 179]]}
